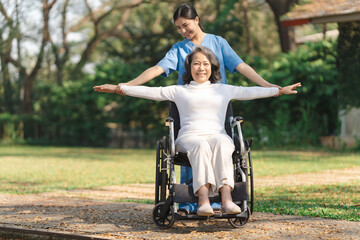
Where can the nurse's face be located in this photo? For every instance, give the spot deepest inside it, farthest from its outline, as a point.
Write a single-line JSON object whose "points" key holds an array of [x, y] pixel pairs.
{"points": [[200, 68], [187, 27]]}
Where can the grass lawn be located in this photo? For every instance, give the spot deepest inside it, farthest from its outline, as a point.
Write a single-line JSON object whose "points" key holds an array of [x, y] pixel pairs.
{"points": [[43, 169], [28, 169], [338, 201]]}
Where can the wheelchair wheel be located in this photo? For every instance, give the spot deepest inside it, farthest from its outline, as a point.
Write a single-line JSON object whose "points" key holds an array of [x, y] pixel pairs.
{"points": [[163, 222], [239, 221], [161, 176], [247, 167], [250, 174], [157, 173]]}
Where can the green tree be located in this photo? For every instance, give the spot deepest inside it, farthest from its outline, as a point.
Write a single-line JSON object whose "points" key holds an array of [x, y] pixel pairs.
{"points": [[286, 35]]}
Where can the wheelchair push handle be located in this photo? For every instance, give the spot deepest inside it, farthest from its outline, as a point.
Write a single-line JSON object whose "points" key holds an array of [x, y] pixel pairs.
{"points": [[168, 121], [237, 119]]}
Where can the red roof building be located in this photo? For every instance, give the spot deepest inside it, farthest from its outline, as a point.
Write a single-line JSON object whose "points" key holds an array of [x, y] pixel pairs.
{"points": [[322, 11]]}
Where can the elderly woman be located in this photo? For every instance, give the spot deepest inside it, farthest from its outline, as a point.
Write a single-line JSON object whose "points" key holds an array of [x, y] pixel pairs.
{"points": [[202, 108]]}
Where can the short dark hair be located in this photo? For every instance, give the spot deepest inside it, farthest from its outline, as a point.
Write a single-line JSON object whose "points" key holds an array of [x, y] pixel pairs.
{"points": [[215, 65], [185, 10]]}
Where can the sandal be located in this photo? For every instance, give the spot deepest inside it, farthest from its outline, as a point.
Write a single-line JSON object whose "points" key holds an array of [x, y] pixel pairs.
{"points": [[217, 211], [183, 212]]}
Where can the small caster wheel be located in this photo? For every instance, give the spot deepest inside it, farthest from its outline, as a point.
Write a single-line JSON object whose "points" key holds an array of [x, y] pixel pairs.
{"points": [[163, 222], [238, 222]]}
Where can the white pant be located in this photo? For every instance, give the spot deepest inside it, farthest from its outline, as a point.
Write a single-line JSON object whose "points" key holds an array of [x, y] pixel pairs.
{"points": [[210, 158]]}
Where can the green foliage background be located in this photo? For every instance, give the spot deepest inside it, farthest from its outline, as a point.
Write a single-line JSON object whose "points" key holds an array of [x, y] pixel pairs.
{"points": [[71, 113], [301, 118], [74, 114]]}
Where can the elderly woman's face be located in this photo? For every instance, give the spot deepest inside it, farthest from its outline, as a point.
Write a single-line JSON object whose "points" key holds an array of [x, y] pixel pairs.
{"points": [[200, 68]]}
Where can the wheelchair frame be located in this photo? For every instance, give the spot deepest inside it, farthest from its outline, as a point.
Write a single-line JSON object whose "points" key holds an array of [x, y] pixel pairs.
{"points": [[168, 193]]}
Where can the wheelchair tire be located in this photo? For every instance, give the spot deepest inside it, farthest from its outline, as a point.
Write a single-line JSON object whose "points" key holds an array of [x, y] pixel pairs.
{"points": [[161, 176], [163, 222], [157, 173], [163, 169], [239, 222], [250, 175]]}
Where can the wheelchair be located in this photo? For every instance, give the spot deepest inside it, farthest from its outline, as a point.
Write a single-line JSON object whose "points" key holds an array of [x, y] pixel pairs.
{"points": [[168, 193]]}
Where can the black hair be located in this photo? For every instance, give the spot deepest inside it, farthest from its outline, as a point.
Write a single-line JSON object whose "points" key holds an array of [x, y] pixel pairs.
{"points": [[215, 65], [185, 10]]}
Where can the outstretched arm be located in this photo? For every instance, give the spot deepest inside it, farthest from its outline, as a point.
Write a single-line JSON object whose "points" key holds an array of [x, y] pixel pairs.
{"points": [[144, 77], [250, 73], [248, 93], [152, 93]]}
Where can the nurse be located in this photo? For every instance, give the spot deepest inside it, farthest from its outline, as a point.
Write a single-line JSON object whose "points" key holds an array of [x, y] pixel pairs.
{"points": [[187, 23]]}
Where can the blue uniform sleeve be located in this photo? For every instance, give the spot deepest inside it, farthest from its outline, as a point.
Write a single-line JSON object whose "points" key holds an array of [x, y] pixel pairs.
{"points": [[231, 59], [170, 62]]}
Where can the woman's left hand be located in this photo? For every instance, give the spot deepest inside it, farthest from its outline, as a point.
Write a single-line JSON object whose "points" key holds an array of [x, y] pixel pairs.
{"points": [[107, 88]]}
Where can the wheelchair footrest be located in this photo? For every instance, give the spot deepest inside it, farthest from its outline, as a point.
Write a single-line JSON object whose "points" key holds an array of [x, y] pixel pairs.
{"points": [[193, 216], [185, 193]]}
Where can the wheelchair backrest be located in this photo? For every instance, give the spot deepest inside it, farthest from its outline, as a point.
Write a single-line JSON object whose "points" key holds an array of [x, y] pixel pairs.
{"points": [[174, 113]]}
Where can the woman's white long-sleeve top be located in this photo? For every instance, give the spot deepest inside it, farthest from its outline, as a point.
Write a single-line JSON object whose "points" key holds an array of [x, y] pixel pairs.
{"points": [[202, 107]]}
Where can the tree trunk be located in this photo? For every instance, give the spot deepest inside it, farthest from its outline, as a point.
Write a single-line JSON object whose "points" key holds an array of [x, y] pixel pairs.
{"points": [[286, 34], [249, 42], [28, 81], [348, 63], [61, 53], [5, 53], [21, 70], [8, 91]]}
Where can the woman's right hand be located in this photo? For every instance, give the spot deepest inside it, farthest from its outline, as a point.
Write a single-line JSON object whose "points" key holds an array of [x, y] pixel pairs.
{"points": [[291, 89], [107, 88]]}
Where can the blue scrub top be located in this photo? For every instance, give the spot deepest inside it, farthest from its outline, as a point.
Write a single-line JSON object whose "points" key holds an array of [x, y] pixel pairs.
{"points": [[175, 57]]}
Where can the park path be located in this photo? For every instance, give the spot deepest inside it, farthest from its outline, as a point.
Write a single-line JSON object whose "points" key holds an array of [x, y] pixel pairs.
{"points": [[94, 213], [146, 191]]}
